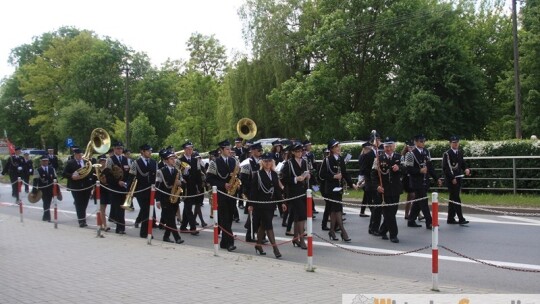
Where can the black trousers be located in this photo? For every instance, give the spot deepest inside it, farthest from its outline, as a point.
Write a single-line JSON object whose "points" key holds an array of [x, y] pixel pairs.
{"points": [[47, 199], [226, 208], [143, 198], [376, 212], [13, 178], [389, 212], [420, 205], [454, 209], [168, 214], [188, 217], [80, 199], [117, 212]]}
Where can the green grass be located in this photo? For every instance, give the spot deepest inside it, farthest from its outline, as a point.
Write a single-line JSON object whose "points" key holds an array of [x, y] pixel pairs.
{"points": [[482, 199]]}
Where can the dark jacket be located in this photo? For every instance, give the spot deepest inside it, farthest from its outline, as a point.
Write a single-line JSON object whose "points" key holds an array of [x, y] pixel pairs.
{"points": [[193, 178], [416, 160], [330, 167], [264, 189], [72, 166], [391, 181]]}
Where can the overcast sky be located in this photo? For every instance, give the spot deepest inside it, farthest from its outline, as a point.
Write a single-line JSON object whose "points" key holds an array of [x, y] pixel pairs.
{"points": [[159, 28]]}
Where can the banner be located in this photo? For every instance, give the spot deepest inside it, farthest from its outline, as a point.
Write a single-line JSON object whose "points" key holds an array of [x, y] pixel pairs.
{"points": [[6, 147]]}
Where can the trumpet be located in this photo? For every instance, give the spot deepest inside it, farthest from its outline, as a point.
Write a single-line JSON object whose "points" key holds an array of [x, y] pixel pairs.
{"points": [[129, 197]]}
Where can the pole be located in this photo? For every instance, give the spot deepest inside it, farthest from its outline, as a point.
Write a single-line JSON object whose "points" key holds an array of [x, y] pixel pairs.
{"points": [[55, 198], [150, 214], [98, 212], [215, 218], [517, 84], [19, 200], [127, 105], [309, 198], [435, 242]]}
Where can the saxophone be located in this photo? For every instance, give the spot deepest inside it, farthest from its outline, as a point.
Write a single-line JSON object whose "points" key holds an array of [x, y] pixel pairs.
{"points": [[176, 190], [234, 181]]}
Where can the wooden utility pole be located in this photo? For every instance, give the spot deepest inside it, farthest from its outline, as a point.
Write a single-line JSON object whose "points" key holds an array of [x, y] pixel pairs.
{"points": [[517, 84]]}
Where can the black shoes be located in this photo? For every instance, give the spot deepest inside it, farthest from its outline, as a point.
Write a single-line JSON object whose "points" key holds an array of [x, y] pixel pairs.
{"points": [[325, 228], [179, 241], [332, 236], [394, 240], [363, 215], [82, 225], [384, 237], [451, 222], [413, 224], [259, 250], [346, 239], [463, 222], [167, 240], [120, 232], [428, 227], [194, 232], [136, 225], [231, 248], [236, 220]]}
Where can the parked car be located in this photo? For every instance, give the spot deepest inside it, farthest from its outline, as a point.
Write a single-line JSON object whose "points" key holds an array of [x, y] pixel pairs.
{"points": [[34, 151]]}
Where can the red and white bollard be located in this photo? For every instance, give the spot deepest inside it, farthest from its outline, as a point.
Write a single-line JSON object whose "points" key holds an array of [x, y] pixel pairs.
{"points": [[98, 212], [215, 218], [150, 214], [435, 241], [309, 198], [55, 201], [19, 200]]}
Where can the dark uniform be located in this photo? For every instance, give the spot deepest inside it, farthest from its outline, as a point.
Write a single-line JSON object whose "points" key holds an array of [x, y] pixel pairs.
{"points": [[332, 165], [144, 170], [119, 165], [28, 170], [265, 187], [416, 160], [370, 190], [192, 186], [44, 180], [14, 167], [246, 176], [167, 176], [218, 174], [391, 171], [80, 196], [53, 159], [454, 167]]}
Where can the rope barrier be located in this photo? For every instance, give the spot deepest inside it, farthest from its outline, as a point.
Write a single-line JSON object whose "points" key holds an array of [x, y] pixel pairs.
{"points": [[488, 264], [491, 210], [183, 196], [369, 253], [370, 205], [244, 241], [263, 202]]}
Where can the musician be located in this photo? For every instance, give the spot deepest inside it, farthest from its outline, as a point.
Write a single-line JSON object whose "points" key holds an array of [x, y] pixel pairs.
{"points": [[71, 149], [409, 146], [14, 167], [144, 170], [388, 169], [28, 170], [312, 167], [264, 187], [322, 183], [106, 179], [419, 168], [199, 200], [53, 159], [192, 186], [239, 149], [219, 174], [44, 180], [454, 169], [80, 186], [370, 188], [295, 176], [117, 181], [167, 178], [248, 168], [334, 172], [366, 149], [240, 153], [277, 151]]}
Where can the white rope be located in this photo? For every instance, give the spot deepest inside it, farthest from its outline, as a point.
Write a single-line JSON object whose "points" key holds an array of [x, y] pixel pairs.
{"points": [[371, 205], [183, 196], [263, 202], [491, 210]]}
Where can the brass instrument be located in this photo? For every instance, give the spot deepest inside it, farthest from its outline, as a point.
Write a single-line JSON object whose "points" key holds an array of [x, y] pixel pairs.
{"points": [[176, 191], [234, 181], [101, 178], [129, 196], [100, 142], [246, 128]]}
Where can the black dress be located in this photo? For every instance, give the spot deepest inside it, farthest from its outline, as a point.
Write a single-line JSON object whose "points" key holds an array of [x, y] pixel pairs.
{"points": [[289, 172], [263, 189]]}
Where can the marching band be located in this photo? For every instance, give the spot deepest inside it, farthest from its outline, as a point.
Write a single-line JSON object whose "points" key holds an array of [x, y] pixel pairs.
{"points": [[263, 181]]}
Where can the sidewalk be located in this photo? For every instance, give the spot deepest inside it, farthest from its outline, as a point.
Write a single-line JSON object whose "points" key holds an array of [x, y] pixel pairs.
{"points": [[40, 264]]}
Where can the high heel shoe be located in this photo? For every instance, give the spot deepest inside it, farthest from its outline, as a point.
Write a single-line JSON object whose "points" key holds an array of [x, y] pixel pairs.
{"points": [[259, 250], [303, 245], [296, 243], [332, 236], [345, 239], [277, 253]]}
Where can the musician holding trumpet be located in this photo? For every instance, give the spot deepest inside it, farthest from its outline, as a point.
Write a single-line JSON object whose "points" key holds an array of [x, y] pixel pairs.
{"points": [[79, 185], [168, 178]]}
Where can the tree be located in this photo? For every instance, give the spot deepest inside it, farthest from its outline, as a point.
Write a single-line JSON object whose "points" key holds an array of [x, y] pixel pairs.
{"points": [[142, 132], [206, 55]]}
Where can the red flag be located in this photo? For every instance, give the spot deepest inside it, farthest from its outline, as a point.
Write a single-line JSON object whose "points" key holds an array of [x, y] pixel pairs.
{"points": [[11, 147]]}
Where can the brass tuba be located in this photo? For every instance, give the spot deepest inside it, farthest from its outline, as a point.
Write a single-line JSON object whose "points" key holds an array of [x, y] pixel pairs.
{"points": [[100, 142], [246, 128]]}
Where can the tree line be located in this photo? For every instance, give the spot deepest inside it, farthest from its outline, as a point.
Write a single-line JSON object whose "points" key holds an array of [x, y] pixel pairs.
{"points": [[318, 69]]}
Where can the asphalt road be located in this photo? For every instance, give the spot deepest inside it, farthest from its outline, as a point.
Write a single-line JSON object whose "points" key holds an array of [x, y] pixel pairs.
{"points": [[506, 241]]}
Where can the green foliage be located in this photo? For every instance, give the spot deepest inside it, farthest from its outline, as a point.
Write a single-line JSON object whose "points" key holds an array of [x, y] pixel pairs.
{"points": [[142, 132]]}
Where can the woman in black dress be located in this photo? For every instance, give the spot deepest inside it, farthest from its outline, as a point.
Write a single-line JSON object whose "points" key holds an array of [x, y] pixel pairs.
{"points": [[265, 187], [295, 176]]}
